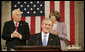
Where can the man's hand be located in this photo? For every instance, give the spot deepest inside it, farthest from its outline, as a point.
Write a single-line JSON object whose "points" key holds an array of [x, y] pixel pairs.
{"points": [[16, 34], [55, 32]]}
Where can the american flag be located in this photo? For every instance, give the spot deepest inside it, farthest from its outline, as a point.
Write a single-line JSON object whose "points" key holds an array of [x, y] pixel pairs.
{"points": [[33, 12]]}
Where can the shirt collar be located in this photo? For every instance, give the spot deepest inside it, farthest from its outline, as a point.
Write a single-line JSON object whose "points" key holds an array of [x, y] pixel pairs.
{"points": [[15, 22], [45, 34]]}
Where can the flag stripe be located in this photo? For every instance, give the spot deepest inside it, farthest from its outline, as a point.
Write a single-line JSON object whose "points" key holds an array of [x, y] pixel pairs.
{"points": [[42, 17], [28, 20], [23, 19], [57, 6], [37, 24], [72, 23], [32, 25], [52, 6], [62, 11], [67, 18], [11, 18], [47, 9]]}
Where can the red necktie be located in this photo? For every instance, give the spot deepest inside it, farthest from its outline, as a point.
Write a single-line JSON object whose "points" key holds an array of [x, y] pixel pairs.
{"points": [[16, 25]]}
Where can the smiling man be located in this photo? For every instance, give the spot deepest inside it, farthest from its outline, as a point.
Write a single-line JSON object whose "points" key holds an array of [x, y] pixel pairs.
{"points": [[44, 38], [15, 31]]}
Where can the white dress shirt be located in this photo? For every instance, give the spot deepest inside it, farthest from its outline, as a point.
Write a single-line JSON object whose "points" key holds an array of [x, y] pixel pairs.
{"points": [[17, 23], [46, 36]]}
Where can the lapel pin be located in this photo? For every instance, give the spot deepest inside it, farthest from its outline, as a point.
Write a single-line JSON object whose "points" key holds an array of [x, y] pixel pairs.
{"points": [[51, 39], [20, 24]]}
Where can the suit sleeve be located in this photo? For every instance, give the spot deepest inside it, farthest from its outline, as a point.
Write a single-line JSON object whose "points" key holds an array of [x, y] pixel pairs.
{"points": [[26, 33], [30, 41], [58, 41], [6, 35], [64, 32]]}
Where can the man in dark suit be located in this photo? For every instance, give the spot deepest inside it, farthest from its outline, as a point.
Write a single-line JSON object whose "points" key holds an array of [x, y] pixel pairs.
{"points": [[15, 32], [44, 38]]}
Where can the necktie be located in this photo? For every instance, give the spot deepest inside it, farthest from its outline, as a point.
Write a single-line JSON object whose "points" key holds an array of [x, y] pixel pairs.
{"points": [[44, 41], [16, 25]]}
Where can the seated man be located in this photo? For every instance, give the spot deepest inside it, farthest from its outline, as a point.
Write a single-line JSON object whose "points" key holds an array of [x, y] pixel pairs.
{"points": [[44, 38]]}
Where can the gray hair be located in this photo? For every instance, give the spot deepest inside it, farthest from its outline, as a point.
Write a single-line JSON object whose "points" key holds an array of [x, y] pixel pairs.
{"points": [[14, 11], [45, 20]]}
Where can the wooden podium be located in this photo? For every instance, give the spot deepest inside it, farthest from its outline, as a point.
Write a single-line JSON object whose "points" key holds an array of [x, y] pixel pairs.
{"points": [[37, 48]]}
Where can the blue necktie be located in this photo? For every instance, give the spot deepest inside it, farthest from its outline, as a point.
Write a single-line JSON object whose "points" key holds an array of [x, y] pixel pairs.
{"points": [[44, 41]]}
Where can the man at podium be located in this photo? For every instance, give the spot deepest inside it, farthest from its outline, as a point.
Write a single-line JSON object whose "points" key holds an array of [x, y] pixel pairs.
{"points": [[44, 38]]}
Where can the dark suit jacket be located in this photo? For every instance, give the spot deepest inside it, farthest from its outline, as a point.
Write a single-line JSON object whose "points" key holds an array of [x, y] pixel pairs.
{"points": [[9, 28], [36, 40]]}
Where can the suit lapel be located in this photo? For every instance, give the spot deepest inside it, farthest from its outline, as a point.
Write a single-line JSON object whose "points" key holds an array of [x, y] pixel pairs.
{"points": [[12, 25], [19, 26], [50, 40]]}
